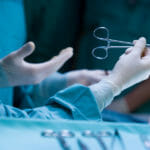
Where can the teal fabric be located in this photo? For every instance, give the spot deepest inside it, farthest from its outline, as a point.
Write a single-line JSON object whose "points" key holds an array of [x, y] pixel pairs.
{"points": [[23, 134], [47, 88], [12, 36], [66, 104], [36, 95]]}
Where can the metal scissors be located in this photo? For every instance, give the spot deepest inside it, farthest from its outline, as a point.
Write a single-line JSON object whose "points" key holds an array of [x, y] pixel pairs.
{"points": [[109, 41], [89, 133], [60, 136], [115, 137]]}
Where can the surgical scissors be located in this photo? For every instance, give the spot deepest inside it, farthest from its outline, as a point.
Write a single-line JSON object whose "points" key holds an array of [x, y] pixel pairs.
{"points": [[109, 41], [89, 133], [60, 137]]}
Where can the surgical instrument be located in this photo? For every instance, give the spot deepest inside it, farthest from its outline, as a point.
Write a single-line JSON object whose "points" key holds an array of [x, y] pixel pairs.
{"points": [[116, 136], [145, 141], [88, 133], [61, 140], [108, 41], [66, 134], [81, 145]]}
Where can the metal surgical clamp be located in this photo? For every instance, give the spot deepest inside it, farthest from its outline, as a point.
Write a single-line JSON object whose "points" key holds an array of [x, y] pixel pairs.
{"points": [[89, 133], [60, 137], [109, 41], [81, 145], [114, 138]]}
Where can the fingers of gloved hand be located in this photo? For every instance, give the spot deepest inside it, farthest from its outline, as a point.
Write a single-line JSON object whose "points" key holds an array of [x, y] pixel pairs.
{"points": [[51, 66], [145, 49], [96, 75], [25, 50], [128, 50], [63, 56], [134, 41], [100, 72], [85, 77], [139, 46]]}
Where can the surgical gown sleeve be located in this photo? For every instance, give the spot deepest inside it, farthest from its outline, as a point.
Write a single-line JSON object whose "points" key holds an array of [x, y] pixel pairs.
{"points": [[37, 95], [49, 87], [76, 102]]}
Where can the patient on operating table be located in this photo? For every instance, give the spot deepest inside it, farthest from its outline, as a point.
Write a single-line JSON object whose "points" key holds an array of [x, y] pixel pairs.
{"points": [[78, 101]]}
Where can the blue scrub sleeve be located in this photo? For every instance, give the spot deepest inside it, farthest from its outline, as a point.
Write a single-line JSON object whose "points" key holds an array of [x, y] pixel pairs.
{"points": [[47, 88], [76, 102], [37, 95]]}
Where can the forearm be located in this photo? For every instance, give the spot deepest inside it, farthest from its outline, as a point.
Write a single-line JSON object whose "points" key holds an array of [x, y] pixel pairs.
{"points": [[138, 96]]}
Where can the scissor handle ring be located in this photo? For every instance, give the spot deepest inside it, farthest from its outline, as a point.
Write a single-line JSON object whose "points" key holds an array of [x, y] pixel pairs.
{"points": [[101, 28], [98, 57]]}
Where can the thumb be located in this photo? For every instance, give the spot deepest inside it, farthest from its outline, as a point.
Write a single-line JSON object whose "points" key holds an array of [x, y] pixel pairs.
{"points": [[55, 63], [63, 56], [26, 50]]}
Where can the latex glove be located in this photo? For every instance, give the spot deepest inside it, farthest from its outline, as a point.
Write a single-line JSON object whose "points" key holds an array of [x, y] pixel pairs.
{"points": [[56, 82], [85, 77], [14, 70], [131, 68]]}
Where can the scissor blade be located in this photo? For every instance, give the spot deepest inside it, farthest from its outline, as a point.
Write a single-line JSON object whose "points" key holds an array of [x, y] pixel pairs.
{"points": [[101, 142], [82, 145], [64, 145]]}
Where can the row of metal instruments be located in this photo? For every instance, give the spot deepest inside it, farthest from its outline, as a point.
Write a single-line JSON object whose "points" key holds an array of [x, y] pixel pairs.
{"points": [[63, 135], [99, 136]]}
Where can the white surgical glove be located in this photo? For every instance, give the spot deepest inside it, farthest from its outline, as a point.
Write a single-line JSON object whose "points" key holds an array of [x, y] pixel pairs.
{"points": [[55, 82], [131, 68], [14, 70], [85, 77]]}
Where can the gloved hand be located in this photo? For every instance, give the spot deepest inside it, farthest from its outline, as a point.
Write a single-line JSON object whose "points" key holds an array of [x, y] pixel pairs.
{"points": [[85, 77], [56, 82], [132, 67], [14, 70]]}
